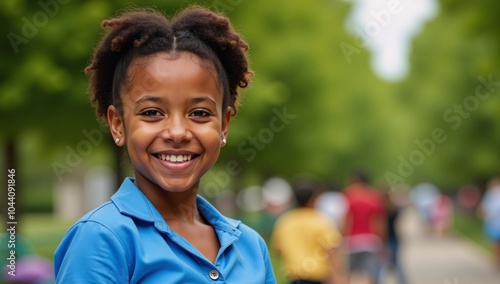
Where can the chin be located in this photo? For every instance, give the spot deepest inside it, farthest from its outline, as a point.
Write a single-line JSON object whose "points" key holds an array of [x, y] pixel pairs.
{"points": [[177, 187]]}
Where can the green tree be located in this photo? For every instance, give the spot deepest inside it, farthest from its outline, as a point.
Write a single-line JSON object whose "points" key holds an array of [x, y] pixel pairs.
{"points": [[452, 62]]}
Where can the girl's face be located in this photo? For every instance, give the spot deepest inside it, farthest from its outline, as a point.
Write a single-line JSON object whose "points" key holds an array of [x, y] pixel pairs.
{"points": [[173, 122]]}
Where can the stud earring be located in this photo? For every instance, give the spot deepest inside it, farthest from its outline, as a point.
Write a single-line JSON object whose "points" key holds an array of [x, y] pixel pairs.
{"points": [[223, 141], [117, 140]]}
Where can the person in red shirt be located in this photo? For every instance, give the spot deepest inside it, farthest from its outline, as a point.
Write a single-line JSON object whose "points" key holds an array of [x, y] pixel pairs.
{"points": [[364, 227]]}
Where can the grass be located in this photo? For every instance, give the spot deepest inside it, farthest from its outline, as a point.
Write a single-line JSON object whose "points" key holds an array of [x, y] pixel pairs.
{"points": [[276, 266], [471, 227], [43, 232]]}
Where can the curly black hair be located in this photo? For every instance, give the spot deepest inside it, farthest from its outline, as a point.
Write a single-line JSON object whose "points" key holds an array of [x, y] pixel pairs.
{"points": [[141, 33]]}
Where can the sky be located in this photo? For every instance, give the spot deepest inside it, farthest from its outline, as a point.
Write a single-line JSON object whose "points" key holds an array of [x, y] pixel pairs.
{"points": [[387, 28]]}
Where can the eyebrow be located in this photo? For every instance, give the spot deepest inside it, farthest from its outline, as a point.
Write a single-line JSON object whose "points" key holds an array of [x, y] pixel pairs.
{"points": [[159, 100], [203, 99], [148, 99]]}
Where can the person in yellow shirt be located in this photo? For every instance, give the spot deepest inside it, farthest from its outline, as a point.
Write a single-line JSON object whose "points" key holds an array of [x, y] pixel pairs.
{"points": [[307, 242]]}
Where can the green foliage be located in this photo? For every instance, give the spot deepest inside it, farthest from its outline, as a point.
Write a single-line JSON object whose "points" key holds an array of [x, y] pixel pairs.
{"points": [[299, 66], [452, 59], [471, 227], [43, 232]]}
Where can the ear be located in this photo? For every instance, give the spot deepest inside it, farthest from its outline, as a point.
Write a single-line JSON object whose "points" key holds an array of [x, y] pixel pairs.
{"points": [[116, 125], [225, 124]]}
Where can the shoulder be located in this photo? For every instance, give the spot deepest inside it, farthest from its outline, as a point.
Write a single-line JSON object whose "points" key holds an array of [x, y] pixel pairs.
{"points": [[104, 220], [106, 215], [288, 215], [298, 216], [105, 223], [306, 217], [101, 212], [96, 245]]}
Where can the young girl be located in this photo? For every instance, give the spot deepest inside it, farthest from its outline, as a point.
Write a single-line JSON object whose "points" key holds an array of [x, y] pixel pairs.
{"points": [[168, 90]]}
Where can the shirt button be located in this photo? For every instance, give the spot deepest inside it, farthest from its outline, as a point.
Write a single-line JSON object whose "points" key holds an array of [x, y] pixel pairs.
{"points": [[214, 274]]}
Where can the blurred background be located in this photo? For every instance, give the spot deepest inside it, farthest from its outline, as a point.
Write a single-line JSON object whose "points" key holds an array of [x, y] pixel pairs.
{"points": [[408, 90]]}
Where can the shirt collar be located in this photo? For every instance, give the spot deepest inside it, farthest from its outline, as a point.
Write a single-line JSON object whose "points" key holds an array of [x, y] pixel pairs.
{"points": [[130, 201]]}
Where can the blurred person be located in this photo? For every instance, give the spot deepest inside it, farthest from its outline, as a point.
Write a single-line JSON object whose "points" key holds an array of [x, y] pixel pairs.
{"points": [[364, 228], [441, 214], [307, 241], [332, 203], [468, 197], [489, 211], [277, 195], [394, 206], [168, 89], [423, 196]]}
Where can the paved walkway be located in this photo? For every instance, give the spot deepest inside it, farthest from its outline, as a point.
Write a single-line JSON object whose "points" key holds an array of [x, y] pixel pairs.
{"points": [[429, 259]]}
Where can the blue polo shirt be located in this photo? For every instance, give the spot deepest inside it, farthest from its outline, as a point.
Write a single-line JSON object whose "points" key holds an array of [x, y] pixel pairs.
{"points": [[126, 240]]}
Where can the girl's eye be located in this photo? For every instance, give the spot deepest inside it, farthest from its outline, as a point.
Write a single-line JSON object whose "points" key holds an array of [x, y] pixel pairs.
{"points": [[151, 112], [200, 113]]}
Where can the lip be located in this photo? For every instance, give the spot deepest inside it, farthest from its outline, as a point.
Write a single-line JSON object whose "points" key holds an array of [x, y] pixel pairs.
{"points": [[176, 166]]}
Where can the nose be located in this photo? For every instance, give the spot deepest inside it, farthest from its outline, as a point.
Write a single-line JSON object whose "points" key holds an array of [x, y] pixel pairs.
{"points": [[176, 129]]}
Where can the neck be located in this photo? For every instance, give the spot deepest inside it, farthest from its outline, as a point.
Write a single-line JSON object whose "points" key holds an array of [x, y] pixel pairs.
{"points": [[178, 206], [173, 206]]}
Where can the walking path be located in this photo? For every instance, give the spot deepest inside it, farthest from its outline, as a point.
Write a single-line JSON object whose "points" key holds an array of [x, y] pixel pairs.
{"points": [[429, 259]]}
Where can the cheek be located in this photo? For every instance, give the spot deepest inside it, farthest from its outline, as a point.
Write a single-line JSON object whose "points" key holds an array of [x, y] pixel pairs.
{"points": [[140, 135], [210, 136]]}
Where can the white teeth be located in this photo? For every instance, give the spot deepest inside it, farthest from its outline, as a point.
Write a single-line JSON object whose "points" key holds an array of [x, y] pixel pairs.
{"points": [[175, 158]]}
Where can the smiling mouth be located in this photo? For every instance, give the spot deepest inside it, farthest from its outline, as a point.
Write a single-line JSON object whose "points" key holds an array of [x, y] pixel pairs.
{"points": [[176, 158]]}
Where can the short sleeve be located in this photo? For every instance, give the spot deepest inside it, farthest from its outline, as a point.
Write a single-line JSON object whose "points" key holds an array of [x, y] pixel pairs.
{"points": [[270, 278], [90, 253]]}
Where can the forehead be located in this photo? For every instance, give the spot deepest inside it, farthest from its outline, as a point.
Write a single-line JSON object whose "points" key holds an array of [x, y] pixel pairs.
{"points": [[171, 69], [166, 63]]}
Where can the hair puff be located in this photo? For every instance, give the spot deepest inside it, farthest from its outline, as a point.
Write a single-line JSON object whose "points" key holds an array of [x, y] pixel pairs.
{"points": [[141, 33]]}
